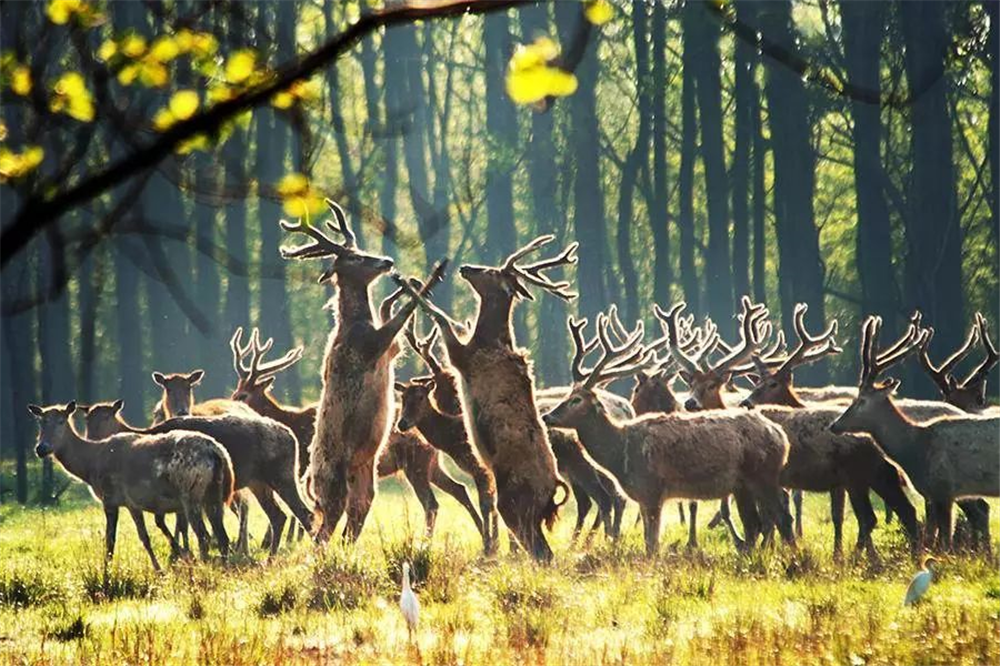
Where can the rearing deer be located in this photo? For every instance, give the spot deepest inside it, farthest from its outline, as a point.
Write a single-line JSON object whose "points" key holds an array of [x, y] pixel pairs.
{"points": [[946, 459], [498, 393], [356, 406]]}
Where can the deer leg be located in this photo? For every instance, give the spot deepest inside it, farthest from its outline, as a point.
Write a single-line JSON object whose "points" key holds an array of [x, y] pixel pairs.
{"points": [[583, 504], [747, 509], [797, 500], [285, 486], [442, 480], [680, 511], [140, 526], [865, 515], [215, 511], [181, 531], [693, 525], [421, 484], [360, 495], [837, 497], [977, 513], [193, 513], [944, 525], [651, 526], [888, 485], [110, 531], [619, 512], [725, 516], [275, 516], [160, 521]]}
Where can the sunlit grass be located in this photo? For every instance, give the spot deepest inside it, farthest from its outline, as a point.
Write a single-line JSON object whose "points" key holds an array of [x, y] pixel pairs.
{"points": [[602, 604]]}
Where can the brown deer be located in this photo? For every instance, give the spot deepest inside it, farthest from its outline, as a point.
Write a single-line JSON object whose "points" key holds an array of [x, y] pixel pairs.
{"points": [[406, 453], [356, 406], [178, 397], [654, 457], [969, 395], [263, 453], [948, 458], [498, 392], [171, 472]]}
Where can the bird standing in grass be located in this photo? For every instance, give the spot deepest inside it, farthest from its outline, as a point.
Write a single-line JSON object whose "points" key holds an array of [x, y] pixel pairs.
{"points": [[921, 582], [408, 602]]}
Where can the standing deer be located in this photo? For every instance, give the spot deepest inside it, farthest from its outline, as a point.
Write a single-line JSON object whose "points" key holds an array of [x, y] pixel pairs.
{"points": [[356, 406], [969, 395], [172, 472], [418, 461], [178, 397], [705, 455], [498, 393], [949, 458]]}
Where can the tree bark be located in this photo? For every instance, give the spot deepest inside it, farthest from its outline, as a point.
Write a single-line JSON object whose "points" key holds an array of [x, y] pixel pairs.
{"points": [[659, 218], [745, 101], [685, 176], [501, 130]]}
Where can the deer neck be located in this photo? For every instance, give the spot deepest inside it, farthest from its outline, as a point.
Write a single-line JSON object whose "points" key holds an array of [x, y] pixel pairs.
{"points": [[894, 433], [493, 325], [446, 394], [77, 455], [440, 428], [603, 441], [354, 303]]}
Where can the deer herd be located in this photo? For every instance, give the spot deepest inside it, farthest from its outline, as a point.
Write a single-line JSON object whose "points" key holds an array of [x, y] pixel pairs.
{"points": [[527, 449]]}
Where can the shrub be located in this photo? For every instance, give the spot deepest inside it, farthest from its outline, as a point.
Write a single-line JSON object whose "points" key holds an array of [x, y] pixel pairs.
{"points": [[21, 589], [343, 580], [112, 584], [73, 630], [275, 602]]}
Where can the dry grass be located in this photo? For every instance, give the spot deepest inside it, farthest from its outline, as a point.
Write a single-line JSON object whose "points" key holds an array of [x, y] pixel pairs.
{"points": [[603, 604]]}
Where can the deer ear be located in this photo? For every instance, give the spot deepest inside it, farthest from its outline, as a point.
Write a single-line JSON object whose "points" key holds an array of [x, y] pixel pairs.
{"points": [[118, 405], [159, 378], [686, 376], [399, 386], [70, 408], [35, 410], [195, 377]]}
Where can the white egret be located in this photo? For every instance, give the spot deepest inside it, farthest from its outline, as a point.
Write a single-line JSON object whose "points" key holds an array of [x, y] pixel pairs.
{"points": [[921, 582], [408, 602]]}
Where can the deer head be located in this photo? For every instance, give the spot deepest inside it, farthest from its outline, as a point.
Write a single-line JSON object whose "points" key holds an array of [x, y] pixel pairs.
{"points": [[53, 427], [102, 419], [178, 391], [623, 360], [254, 379], [351, 265], [874, 399], [969, 394], [708, 379], [774, 387], [511, 280], [416, 401]]}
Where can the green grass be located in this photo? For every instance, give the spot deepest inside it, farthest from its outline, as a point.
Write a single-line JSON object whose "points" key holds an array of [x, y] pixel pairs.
{"points": [[606, 603]]}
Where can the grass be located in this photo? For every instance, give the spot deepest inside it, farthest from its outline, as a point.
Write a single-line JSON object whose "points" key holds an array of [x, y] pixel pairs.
{"points": [[605, 603]]}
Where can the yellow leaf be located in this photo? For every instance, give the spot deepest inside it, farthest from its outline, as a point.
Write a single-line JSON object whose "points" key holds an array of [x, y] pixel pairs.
{"points": [[70, 96], [598, 12], [15, 165], [20, 80], [205, 44], [282, 100], [163, 120], [153, 74], [219, 93], [293, 183], [128, 74], [240, 66], [304, 205], [3, 131], [60, 11], [164, 49], [71, 84], [133, 46], [183, 104], [197, 142], [107, 50], [531, 77]]}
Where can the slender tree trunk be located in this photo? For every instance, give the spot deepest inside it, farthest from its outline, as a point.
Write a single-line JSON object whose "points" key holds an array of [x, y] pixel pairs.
{"points": [[501, 128], [438, 142], [863, 25], [685, 176], [393, 126], [707, 65], [933, 234], [552, 359], [800, 274], [992, 45], [91, 281], [746, 12], [588, 196], [659, 219], [744, 94]]}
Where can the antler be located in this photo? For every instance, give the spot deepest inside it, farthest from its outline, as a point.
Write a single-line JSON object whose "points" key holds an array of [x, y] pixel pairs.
{"points": [[753, 335], [983, 370], [532, 273], [424, 347], [258, 370], [942, 375], [322, 245], [580, 348], [621, 361], [874, 363], [675, 344], [811, 348]]}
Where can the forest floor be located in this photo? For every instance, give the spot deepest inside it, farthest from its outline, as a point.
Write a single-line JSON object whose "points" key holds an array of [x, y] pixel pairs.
{"points": [[599, 603]]}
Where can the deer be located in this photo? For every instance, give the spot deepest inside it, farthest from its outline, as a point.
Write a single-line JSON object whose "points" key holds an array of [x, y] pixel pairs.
{"points": [[704, 455], [498, 392], [178, 397], [969, 395], [179, 471], [948, 458], [263, 454], [403, 452], [356, 407]]}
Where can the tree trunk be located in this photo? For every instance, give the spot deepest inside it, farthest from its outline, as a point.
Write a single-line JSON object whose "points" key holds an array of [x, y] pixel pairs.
{"points": [[992, 45], [659, 219], [552, 361], [800, 273], [745, 100], [933, 233], [588, 195], [685, 178], [706, 66], [501, 128], [863, 25], [747, 13]]}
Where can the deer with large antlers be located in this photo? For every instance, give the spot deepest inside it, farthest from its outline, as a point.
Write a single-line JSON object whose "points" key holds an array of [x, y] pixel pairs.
{"points": [[948, 458], [969, 395], [498, 392], [357, 403], [705, 455]]}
